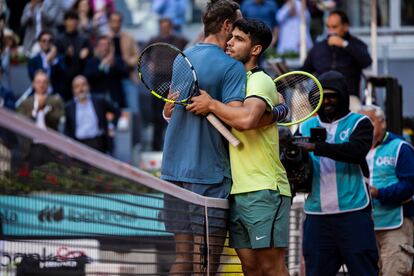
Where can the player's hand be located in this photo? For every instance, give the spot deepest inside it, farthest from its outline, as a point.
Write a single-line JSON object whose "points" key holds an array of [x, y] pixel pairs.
{"points": [[373, 191], [281, 99], [335, 40], [305, 145], [200, 105], [169, 107]]}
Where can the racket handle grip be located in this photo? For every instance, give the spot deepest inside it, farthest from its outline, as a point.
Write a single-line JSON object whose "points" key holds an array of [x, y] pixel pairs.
{"points": [[223, 130]]}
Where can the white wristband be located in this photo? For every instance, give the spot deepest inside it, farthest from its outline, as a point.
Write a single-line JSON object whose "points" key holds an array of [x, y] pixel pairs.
{"points": [[167, 119]]}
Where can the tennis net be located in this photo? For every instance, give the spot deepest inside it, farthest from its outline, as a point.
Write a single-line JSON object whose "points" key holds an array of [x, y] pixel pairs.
{"points": [[66, 209]]}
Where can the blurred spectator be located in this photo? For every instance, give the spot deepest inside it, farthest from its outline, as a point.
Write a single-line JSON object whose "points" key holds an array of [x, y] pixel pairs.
{"points": [[74, 47], [173, 9], [84, 10], [6, 97], [4, 10], [391, 163], [408, 130], [16, 8], [46, 110], [9, 42], [166, 35], [86, 117], [264, 10], [288, 18], [105, 71], [316, 13], [37, 15], [48, 61], [101, 10], [126, 49], [61, 7], [340, 51], [317, 9]]}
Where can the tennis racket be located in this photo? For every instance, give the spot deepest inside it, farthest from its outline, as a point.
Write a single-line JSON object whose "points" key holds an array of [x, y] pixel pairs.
{"points": [[163, 68], [302, 93]]}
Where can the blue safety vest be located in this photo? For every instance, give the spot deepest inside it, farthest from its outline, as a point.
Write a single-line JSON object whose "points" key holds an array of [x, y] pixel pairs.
{"points": [[382, 162], [337, 187]]}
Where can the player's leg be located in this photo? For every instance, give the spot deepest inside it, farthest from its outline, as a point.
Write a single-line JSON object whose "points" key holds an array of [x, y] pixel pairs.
{"points": [[271, 261], [183, 264], [259, 223], [250, 265], [217, 226], [177, 221]]}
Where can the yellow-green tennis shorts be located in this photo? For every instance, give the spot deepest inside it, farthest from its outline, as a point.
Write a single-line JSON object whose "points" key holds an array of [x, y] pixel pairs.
{"points": [[259, 219]]}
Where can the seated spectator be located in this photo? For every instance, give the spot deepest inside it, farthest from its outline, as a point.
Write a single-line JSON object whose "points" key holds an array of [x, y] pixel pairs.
{"points": [[264, 10], [101, 10], [48, 61], [83, 8], [126, 49], [340, 51], [37, 15], [75, 49], [86, 117], [45, 109], [174, 9], [288, 18], [166, 35], [6, 97], [105, 72]]}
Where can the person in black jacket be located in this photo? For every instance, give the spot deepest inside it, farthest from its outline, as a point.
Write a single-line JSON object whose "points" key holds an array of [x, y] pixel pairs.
{"points": [[87, 117], [340, 51], [74, 49], [338, 228], [48, 61], [105, 72]]}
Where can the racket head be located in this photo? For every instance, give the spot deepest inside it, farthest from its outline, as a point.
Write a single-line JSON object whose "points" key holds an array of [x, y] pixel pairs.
{"points": [[302, 93], [163, 68]]}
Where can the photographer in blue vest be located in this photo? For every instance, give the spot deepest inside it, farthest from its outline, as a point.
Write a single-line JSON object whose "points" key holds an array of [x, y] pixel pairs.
{"points": [[338, 228], [391, 165]]}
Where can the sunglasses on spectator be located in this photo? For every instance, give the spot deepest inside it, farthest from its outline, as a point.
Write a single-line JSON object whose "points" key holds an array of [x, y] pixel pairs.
{"points": [[46, 40]]}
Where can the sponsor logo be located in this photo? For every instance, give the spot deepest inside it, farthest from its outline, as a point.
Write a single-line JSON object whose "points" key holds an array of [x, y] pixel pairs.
{"points": [[57, 214], [8, 216], [385, 161], [260, 238], [344, 134], [51, 214]]}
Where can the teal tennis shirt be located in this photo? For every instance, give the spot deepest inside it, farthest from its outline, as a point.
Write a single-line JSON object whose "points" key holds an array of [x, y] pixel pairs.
{"points": [[194, 151]]}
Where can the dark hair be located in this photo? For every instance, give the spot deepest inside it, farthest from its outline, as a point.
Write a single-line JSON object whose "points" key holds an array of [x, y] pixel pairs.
{"points": [[75, 7], [44, 32], [216, 13], [116, 14], [71, 14], [259, 32], [342, 15]]}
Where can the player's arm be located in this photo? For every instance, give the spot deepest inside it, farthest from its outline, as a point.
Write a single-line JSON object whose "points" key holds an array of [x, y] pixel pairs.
{"points": [[241, 116]]}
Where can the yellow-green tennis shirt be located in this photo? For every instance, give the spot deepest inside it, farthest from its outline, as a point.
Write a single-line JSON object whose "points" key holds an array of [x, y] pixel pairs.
{"points": [[255, 164]]}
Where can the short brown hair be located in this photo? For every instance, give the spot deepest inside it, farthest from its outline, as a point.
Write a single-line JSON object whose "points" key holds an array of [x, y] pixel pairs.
{"points": [[216, 13]]}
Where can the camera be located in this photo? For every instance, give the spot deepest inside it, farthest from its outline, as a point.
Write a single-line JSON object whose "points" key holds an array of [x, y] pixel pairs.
{"points": [[297, 162]]}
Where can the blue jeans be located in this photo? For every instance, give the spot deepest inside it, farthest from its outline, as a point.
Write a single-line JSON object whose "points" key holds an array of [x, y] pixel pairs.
{"points": [[332, 240]]}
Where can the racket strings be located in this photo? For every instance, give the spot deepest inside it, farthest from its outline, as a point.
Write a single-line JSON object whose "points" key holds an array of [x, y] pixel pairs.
{"points": [[301, 95], [164, 70]]}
